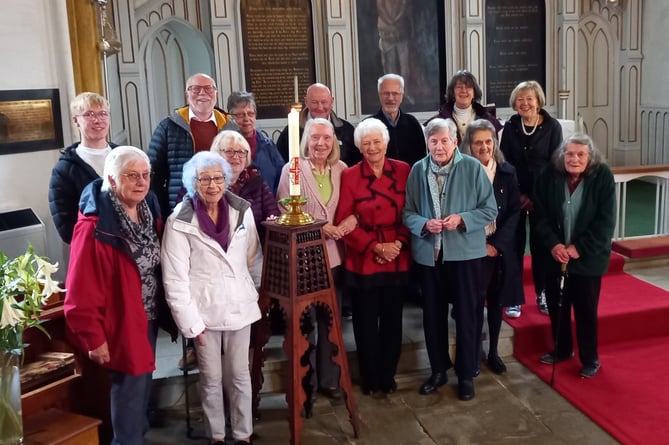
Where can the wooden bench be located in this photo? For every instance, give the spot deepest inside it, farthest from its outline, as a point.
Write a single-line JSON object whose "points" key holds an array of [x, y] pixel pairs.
{"points": [[55, 427]]}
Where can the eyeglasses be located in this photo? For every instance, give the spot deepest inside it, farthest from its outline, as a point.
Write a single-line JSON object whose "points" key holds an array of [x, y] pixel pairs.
{"points": [[207, 180], [92, 115], [390, 94], [232, 153], [197, 89], [134, 176], [250, 114]]}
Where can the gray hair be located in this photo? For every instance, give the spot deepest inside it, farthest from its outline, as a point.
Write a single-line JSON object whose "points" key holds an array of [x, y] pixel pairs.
{"points": [[594, 158], [117, 160], [224, 137], [390, 76], [334, 155], [241, 98], [482, 125], [438, 125], [370, 126], [200, 161]]}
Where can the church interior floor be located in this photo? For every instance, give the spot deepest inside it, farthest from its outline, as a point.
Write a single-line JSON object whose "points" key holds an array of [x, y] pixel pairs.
{"points": [[516, 407]]}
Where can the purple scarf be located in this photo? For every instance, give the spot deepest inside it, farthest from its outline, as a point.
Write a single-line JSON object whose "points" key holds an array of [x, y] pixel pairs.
{"points": [[219, 231]]}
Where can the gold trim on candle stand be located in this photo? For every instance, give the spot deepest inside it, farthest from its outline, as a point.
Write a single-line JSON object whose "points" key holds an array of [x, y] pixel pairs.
{"points": [[294, 216]]}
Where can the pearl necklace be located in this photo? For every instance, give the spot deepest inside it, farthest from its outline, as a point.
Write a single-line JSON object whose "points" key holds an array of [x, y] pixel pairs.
{"points": [[529, 133]]}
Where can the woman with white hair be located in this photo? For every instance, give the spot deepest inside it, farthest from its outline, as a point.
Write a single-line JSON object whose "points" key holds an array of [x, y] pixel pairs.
{"points": [[115, 302], [449, 202], [377, 255], [212, 263]]}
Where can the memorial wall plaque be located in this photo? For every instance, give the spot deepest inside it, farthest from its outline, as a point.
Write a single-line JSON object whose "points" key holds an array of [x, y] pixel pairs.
{"points": [[30, 121], [515, 46], [278, 45]]}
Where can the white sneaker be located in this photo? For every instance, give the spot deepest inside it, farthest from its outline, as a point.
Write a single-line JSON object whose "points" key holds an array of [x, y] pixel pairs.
{"points": [[513, 311], [541, 303]]}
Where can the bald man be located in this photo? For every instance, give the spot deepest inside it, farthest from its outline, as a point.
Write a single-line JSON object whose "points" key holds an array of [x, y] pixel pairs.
{"points": [[318, 103], [182, 134]]}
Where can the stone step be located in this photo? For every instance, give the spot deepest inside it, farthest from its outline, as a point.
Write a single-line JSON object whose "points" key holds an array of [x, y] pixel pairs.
{"points": [[169, 391]]}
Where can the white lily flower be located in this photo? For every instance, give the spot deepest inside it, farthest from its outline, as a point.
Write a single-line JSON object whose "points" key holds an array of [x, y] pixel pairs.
{"points": [[9, 316]]}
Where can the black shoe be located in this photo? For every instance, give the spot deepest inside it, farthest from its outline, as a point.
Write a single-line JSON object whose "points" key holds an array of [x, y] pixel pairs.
{"points": [[589, 371], [346, 314], [465, 389], [477, 371], [332, 392], [550, 358], [496, 365], [436, 380], [390, 389]]}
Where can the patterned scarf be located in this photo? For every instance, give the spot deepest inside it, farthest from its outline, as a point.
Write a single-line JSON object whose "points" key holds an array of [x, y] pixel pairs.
{"points": [[220, 231], [436, 178], [244, 177], [144, 246]]}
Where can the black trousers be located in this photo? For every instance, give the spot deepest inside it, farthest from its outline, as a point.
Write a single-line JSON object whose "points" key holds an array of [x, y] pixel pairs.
{"points": [[581, 293], [459, 283], [490, 289], [377, 328], [539, 256]]}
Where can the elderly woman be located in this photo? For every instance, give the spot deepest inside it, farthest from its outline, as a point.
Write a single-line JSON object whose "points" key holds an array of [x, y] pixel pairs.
{"points": [[576, 216], [377, 256], [246, 180], [114, 301], [264, 154], [449, 203], [320, 181], [463, 103], [211, 268], [500, 278], [529, 139]]}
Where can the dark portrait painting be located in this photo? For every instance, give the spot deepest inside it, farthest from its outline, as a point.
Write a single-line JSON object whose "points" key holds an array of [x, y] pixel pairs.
{"points": [[404, 37]]}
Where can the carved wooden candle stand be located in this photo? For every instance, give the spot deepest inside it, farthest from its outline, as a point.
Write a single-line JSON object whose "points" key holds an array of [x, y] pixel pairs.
{"points": [[296, 271]]}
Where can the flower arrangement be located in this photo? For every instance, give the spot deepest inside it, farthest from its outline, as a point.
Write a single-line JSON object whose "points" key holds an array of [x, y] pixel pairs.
{"points": [[25, 285]]}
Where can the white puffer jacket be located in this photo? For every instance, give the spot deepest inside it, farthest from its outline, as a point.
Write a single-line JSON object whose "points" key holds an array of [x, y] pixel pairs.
{"points": [[205, 286]]}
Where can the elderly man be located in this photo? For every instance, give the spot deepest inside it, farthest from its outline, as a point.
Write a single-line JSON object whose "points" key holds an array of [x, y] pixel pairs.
{"points": [[81, 162], [183, 133], [176, 139], [407, 142], [318, 103]]}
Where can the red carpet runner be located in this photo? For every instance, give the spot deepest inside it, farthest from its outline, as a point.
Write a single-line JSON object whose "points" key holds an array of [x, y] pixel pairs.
{"points": [[629, 397]]}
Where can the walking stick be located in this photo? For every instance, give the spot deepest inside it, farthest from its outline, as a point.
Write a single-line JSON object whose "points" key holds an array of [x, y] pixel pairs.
{"points": [[563, 277]]}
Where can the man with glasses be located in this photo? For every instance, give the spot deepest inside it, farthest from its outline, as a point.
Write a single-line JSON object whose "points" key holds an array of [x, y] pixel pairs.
{"points": [[407, 142], [176, 139], [81, 162], [183, 133], [318, 103], [264, 154]]}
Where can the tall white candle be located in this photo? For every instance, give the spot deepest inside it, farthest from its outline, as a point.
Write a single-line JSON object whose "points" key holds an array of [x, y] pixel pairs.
{"points": [[297, 98], [294, 151]]}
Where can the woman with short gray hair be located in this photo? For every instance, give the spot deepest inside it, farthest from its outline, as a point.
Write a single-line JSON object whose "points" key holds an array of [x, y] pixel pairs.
{"points": [[576, 215], [114, 302], [263, 152], [449, 202], [212, 263]]}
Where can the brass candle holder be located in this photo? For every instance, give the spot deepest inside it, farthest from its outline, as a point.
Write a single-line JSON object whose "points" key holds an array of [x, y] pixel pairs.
{"points": [[294, 215]]}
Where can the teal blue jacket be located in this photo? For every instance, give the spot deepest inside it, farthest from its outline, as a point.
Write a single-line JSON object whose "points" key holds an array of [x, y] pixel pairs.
{"points": [[467, 192]]}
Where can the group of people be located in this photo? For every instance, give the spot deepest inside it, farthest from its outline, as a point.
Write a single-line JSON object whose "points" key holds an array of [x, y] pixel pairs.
{"points": [[173, 238]]}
